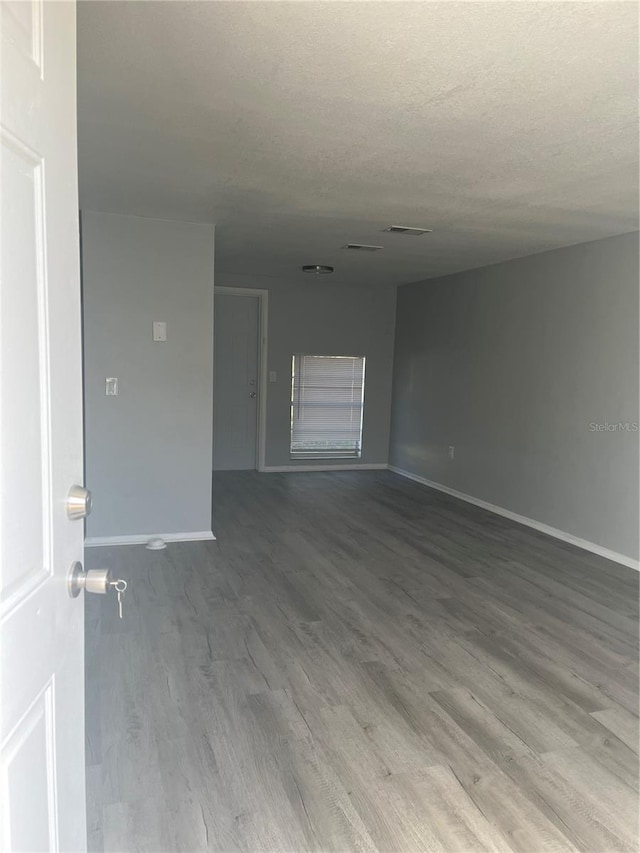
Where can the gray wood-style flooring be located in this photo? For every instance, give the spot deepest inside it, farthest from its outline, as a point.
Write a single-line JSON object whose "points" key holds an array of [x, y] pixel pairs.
{"points": [[357, 664]]}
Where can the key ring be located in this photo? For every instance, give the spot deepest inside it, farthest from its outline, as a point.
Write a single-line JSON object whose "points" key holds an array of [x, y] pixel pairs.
{"points": [[119, 585]]}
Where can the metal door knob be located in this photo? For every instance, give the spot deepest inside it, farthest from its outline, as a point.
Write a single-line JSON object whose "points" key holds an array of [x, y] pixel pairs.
{"points": [[79, 502], [95, 580], [252, 394]]}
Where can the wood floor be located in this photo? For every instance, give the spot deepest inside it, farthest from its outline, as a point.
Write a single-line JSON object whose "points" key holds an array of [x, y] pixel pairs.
{"points": [[358, 664]]}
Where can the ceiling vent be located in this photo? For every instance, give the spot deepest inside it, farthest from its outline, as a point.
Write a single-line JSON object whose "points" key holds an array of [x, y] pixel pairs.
{"points": [[405, 229], [362, 247]]}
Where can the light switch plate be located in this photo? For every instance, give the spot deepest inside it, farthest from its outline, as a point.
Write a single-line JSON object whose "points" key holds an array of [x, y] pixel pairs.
{"points": [[272, 376], [159, 330]]}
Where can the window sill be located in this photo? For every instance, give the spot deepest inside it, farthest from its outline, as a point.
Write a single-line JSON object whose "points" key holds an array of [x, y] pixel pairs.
{"points": [[323, 456]]}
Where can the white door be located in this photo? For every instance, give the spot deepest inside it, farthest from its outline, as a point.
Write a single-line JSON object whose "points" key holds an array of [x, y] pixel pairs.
{"points": [[42, 631], [235, 397]]}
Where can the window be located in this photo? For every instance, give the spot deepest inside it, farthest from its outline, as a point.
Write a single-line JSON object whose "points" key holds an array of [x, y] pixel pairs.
{"points": [[327, 401]]}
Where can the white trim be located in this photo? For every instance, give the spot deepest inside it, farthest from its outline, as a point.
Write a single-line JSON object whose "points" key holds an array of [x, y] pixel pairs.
{"points": [[523, 519], [143, 538], [263, 311], [366, 466]]}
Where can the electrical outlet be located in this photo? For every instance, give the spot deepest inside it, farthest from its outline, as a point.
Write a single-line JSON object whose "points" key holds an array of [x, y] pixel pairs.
{"points": [[452, 451], [272, 376], [159, 330], [111, 386]]}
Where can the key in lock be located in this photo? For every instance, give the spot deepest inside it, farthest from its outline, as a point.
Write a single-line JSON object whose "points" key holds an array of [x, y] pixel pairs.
{"points": [[97, 581]]}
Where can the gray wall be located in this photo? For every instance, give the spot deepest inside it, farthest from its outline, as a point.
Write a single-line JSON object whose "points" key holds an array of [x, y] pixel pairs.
{"points": [[319, 317], [148, 450], [511, 364]]}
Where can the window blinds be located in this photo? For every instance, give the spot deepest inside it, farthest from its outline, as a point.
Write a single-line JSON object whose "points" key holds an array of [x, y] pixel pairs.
{"points": [[327, 398]]}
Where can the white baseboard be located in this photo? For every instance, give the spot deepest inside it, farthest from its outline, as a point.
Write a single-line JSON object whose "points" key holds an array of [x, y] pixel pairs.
{"points": [[143, 538], [523, 519], [371, 466]]}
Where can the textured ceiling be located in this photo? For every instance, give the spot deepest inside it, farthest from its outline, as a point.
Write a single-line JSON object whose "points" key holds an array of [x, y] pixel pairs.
{"points": [[506, 127]]}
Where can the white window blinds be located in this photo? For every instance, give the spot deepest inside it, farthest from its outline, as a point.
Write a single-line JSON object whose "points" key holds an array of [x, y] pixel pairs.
{"points": [[327, 399]]}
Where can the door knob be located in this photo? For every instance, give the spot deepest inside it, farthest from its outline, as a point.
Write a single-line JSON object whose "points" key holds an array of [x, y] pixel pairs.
{"points": [[95, 580], [79, 502], [252, 394]]}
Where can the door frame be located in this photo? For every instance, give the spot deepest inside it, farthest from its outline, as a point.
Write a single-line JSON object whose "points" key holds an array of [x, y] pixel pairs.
{"points": [[263, 337]]}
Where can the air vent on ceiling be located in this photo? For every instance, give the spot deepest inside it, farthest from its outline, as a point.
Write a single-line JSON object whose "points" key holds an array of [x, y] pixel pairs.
{"points": [[362, 247], [405, 229]]}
